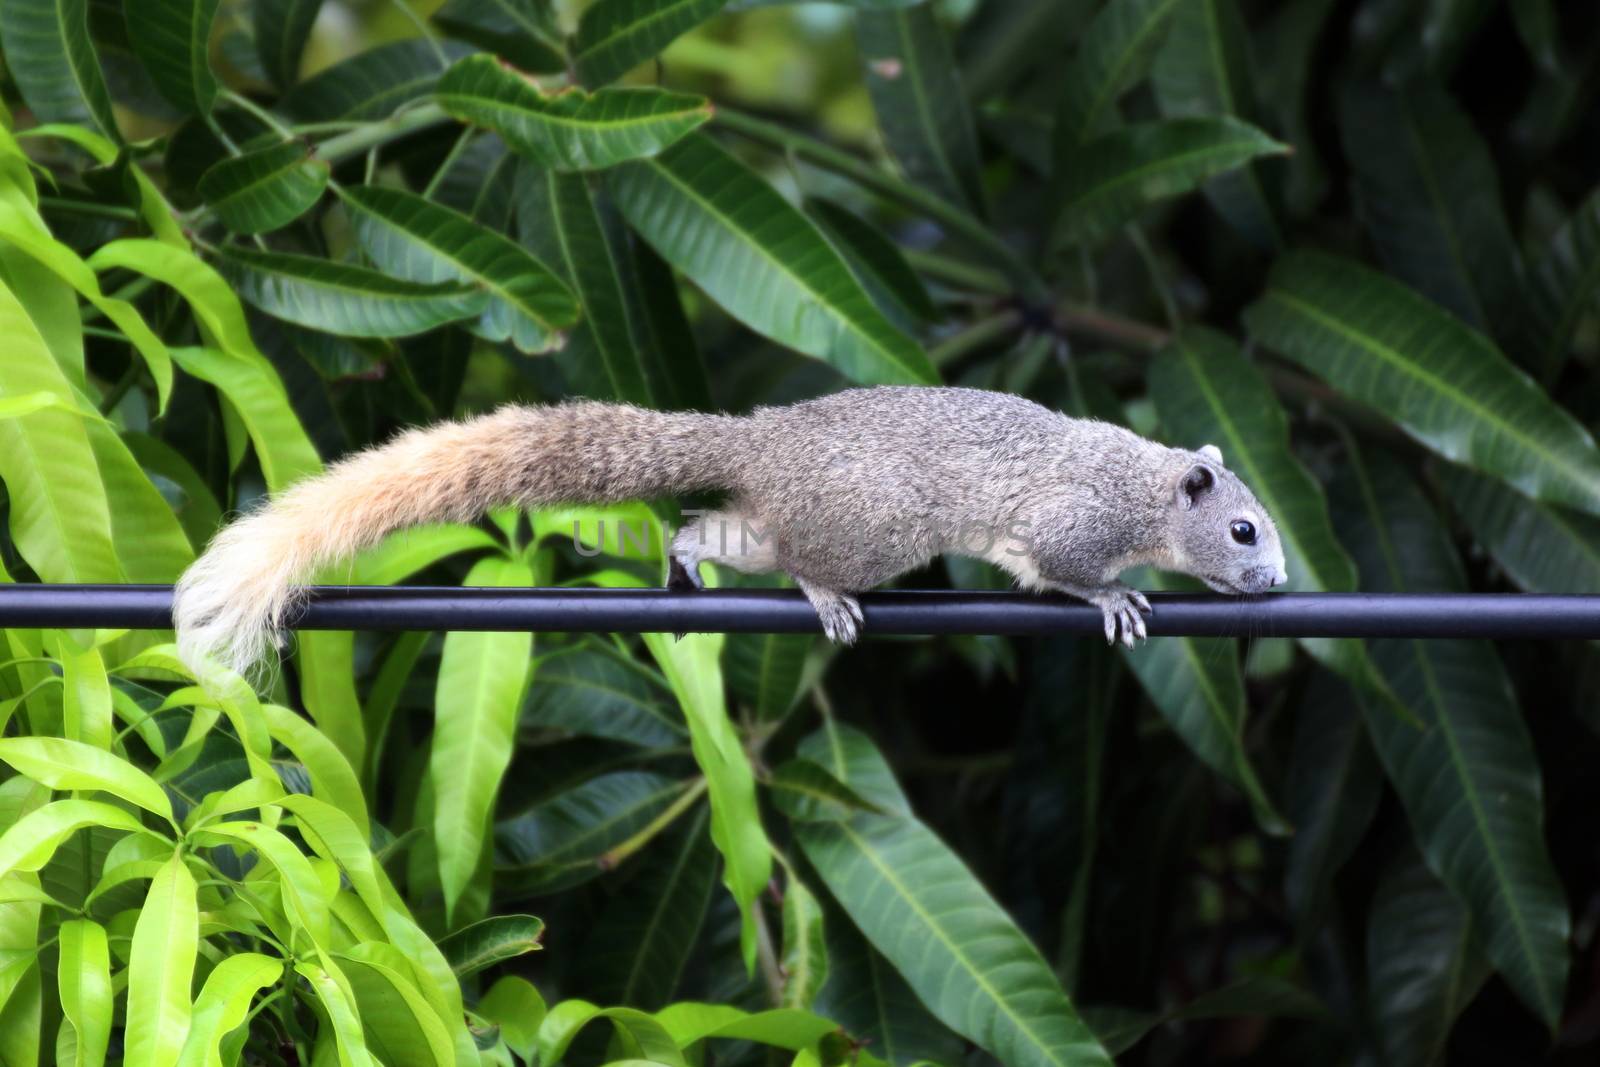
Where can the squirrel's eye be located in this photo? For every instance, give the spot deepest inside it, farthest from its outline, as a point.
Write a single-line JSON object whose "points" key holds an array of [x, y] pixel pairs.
{"points": [[1243, 532]]}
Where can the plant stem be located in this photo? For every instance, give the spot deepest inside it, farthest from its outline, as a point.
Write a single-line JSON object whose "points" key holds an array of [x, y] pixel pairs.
{"points": [[975, 336], [767, 956], [957, 221], [244, 103], [1126, 333], [685, 801], [88, 207], [376, 134], [120, 389], [956, 272], [449, 160]]}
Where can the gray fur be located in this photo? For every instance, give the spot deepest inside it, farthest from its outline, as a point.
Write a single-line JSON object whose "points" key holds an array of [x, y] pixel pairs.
{"points": [[842, 493]]}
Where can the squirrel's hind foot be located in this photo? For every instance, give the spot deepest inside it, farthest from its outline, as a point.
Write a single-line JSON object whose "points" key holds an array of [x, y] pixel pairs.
{"points": [[840, 613], [1124, 609]]}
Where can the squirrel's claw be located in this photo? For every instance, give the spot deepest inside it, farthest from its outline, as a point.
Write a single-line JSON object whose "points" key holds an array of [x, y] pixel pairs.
{"points": [[1124, 611]]}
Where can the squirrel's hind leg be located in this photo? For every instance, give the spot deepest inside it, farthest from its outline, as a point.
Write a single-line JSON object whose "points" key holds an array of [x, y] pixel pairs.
{"points": [[732, 538]]}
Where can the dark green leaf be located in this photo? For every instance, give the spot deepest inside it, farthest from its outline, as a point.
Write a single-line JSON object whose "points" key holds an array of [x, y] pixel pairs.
{"points": [[282, 28], [49, 53], [1469, 780], [421, 241], [560, 843], [342, 298], [490, 941], [1119, 174], [1566, 284], [1424, 966], [877, 263], [678, 375], [761, 259], [594, 691], [372, 84], [805, 791], [921, 105], [614, 36], [1382, 344], [571, 129], [869, 997], [1196, 684], [559, 220], [172, 38], [1427, 193], [640, 944], [1205, 69], [1538, 26], [1544, 548], [521, 31], [265, 189], [1114, 53], [481, 182], [927, 913], [1332, 793]]}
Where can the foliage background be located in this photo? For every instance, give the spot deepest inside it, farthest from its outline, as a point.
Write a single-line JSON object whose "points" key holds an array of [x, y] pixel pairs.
{"points": [[1355, 244]]}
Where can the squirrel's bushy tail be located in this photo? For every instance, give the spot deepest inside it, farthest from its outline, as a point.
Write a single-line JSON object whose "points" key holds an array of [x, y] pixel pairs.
{"points": [[231, 603]]}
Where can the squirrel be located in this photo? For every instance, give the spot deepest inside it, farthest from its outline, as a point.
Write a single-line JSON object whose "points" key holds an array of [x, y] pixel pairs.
{"points": [[841, 493]]}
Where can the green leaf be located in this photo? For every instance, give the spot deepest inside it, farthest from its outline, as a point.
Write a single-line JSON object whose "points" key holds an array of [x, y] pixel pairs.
{"points": [[876, 262], [641, 942], [401, 1028], [342, 298], [1114, 54], [1427, 194], [490, 941], [593, 691], [1205, 69], [634, 1028], [482, 677], [172, 38], [257, 394], [571, 129], [282, 28], [332, 778], [614, 36], [1469, 779], [1566, 283], [521, 31], [62, 764], [559, 220], [694, 670], [266, 189], [924, 910], [223, 1003], [1423, 965], [1332, 790], [49, 53], [761, 260], [421, 241], [59, 515], [1446, 385], [1544, 548], [514, 1005], [372, 84], [84, 982], [805, 791], [869, 997], [805, 950], [344, 1020], [789, 1028], [677, 368], [1131, 167], [1196, 684], [559, 843], [161, 968], [28, 844], [920, 102], [304, 895]]}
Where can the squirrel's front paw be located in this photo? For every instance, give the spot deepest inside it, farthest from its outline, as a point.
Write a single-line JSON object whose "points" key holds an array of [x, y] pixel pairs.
{"points": [[1124, 609]]}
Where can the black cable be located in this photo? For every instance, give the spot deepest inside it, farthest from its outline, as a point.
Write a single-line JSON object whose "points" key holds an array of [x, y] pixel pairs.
{"points": [[1424, 615]]}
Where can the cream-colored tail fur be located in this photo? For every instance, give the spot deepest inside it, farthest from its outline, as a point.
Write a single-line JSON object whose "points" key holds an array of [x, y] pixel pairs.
{"points": [[230, 605]]}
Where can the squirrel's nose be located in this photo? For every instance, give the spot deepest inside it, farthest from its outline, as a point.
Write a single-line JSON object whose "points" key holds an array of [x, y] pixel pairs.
{"points": [[1280, 576]]}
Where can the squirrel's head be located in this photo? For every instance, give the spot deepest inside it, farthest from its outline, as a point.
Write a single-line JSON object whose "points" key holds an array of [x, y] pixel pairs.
{"points": [[1222, 534]]}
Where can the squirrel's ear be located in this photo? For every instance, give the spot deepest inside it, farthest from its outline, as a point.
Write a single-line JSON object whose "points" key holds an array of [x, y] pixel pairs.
{"points": [[1211, 452], [1195, 483]]}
